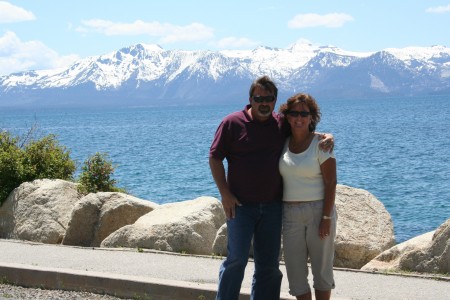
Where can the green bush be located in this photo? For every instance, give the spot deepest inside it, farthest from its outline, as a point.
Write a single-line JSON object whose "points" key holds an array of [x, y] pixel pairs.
{"points": [[23, 160], [96, 175], [31, 160], [45, 158], [11, 167]]}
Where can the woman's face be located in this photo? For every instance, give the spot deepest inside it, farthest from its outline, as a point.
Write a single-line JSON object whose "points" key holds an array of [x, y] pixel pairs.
{"points": [[299, 117]]}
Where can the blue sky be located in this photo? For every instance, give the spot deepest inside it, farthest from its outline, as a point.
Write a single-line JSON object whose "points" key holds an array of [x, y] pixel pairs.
{"points": [[53, 33]]}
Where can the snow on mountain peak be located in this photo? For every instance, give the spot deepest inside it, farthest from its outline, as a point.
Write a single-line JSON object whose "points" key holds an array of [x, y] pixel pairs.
{"points": [[419, 53], [308, 50], [152, 47], [302, 45], [150, 65]]}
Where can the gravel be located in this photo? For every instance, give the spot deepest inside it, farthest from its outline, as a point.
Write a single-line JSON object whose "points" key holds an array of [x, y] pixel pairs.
{"points": [[13, 292]]}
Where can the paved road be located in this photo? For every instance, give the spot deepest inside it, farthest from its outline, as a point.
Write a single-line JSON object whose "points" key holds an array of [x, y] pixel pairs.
{"points": [[130, 273]]}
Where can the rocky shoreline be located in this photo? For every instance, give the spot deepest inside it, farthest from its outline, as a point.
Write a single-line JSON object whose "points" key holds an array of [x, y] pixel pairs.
{"points": [[54, 212]]}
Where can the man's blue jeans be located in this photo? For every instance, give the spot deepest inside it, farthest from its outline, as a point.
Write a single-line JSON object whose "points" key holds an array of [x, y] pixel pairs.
{"points": [[262, 222]]}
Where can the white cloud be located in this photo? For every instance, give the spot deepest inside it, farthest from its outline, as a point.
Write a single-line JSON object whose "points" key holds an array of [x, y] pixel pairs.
{"points": [[236, 43], [17, 56], [314, 20], [168, 33], [439, 9], [10, 13]]}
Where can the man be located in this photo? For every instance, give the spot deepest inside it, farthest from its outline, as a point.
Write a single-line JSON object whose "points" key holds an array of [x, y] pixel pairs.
{"points": [[251, 141]]}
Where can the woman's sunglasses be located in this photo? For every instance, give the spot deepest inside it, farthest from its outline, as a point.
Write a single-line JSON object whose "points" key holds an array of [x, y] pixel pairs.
{"points": [[295, 114]]}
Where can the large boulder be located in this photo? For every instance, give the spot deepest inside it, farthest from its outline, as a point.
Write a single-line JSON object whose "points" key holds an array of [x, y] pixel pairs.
{"points": [[187, 226], [389, 260], [364, 227], [435, 258], [38, 211], [98, 215]]}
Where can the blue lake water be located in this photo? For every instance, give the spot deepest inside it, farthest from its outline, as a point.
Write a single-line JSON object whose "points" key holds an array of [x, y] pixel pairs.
{"points": [[397, 149]]}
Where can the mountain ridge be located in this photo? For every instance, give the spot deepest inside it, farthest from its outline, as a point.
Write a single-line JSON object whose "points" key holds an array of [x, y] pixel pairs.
{"points": [[146, 74]]}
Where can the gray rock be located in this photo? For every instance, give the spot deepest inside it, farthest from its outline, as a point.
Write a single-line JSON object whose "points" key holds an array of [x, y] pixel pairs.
{"points": [[220, 242], [41, 211], [364, 227], [98, 215], [187, 226], [38, 211], [389, 260], [432, 259]]}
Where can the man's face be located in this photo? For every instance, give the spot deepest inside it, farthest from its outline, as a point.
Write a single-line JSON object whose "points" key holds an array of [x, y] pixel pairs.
{"points": [[262, 107]]}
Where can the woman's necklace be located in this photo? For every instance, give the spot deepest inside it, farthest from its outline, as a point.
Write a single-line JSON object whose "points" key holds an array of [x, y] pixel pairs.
{"points": [[299, 146]]}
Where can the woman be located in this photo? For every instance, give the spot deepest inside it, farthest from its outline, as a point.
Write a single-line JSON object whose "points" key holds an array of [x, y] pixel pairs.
{"points": [[309, 214]]}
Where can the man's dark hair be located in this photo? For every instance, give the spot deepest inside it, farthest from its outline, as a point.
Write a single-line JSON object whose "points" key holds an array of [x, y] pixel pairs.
{"points": [[266, 83]]}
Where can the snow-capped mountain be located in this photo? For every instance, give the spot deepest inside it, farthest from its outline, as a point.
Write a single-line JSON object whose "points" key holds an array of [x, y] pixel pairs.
{"points": [[148, 75]]}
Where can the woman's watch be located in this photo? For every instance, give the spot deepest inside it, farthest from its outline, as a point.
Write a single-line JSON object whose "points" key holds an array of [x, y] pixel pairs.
{"points": [[327, 217]]}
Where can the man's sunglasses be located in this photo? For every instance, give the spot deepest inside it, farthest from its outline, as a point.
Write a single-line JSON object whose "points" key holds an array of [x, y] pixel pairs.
{"points": [[295, 114], [261, 99]]}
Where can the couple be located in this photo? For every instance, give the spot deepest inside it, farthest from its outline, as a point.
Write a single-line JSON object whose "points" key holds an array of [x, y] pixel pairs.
{"points": [[279, 178]]}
